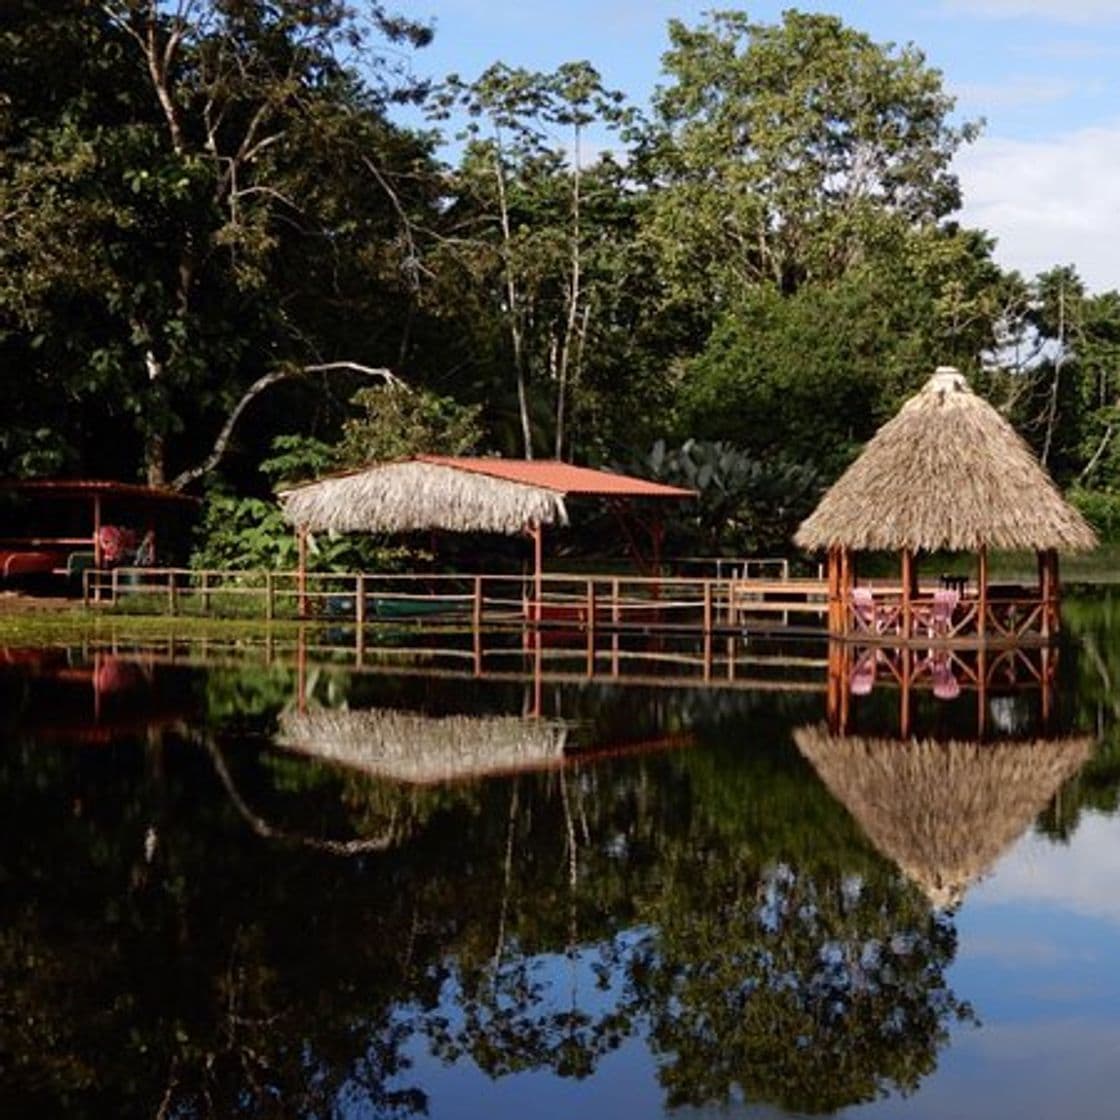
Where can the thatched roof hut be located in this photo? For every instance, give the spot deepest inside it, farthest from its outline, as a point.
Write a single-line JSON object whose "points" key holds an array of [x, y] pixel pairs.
{"points": [[947, 472], [463, 495], [943, 812], [412, 747]]}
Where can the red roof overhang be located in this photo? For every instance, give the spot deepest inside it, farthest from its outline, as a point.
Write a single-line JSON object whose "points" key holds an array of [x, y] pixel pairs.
{"points": [[561, 478], [88, 488]]}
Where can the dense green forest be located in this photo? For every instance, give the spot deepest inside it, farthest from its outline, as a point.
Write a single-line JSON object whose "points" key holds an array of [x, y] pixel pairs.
{"points": [[223, 263]]}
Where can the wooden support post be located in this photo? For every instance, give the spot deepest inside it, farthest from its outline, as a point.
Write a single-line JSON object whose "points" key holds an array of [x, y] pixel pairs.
{"points": [[269, 597], [845, 589], [172, 594], [206, 593], [301, 670], [301, 572], [904, 694], [1052, 595], [97, 543], [1046, 674], [615, 619], [833, 591], [835, 682], [907, 606], [982, 692], [707, 630], [114, 581], [590, 607], [1055, 593], [538, 570], [982, 586], [360, 615], [1044, 590], [476, 625]]}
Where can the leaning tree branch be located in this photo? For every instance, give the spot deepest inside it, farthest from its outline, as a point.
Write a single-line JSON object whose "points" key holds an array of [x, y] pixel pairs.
{"points": [[287, 373], [1091, 465]]}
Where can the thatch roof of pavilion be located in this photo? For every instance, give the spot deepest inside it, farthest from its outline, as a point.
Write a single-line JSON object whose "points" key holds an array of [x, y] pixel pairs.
{"points": [[466, 495], [942, 812], [412, 747], [947, 472]]}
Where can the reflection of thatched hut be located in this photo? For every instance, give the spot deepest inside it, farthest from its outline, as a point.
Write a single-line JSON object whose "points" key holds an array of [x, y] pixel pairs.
{"points": [[412, 747], [943, 812], [947, 473]]}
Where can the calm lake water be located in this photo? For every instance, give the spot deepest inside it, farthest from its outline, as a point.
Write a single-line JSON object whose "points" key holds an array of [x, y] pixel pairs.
{"points": [[236, 881]]}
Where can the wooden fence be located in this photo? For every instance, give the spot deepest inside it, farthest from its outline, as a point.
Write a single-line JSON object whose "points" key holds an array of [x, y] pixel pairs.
{"points": [[565, 601]]}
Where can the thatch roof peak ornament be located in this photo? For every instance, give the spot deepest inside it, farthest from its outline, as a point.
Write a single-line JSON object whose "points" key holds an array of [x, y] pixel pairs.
{"points": [[947, 472]]}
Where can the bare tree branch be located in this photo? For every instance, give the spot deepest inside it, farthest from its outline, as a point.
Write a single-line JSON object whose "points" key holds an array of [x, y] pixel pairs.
{"points": [[288, 373]]}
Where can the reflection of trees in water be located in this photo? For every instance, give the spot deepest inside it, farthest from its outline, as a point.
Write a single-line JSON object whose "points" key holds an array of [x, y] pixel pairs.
{"points": [[734, 915], [811, 994]]}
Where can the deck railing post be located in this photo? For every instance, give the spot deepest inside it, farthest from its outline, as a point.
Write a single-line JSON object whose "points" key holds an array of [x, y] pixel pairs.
{"points": [[590, 606], [707, 630], [476, 604], [206, 593], [172, 593], [360, 614], [269, 597], [982, 577], [115, 585]]}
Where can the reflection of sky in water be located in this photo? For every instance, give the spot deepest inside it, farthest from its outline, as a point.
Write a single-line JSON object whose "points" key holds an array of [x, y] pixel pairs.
{"points": [[1037, 960]]}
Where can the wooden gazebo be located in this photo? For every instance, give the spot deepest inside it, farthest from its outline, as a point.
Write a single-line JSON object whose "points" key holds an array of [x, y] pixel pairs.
{"points": [[947, 474]]}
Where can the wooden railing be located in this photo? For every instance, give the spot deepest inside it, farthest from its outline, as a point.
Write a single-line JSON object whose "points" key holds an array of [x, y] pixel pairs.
{"points": [[566, 601], [1009, 614]]}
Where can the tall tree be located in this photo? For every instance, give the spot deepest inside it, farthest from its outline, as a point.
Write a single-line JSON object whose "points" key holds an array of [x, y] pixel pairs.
{"points": [[779, 150], [208, 186], [531, 225]]}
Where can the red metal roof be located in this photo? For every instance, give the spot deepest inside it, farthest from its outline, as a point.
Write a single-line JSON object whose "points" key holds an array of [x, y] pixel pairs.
{"points": [[561, 478], [89, 487]]}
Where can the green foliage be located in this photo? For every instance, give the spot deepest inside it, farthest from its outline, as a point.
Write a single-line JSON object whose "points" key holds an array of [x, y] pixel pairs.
{"points": [[1101, 509], [240, 532], [395, 422], [783, 149], [744, 506]]}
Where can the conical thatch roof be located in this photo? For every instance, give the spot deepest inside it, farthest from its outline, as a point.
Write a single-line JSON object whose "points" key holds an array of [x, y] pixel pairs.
{"points": [[948, 472], [412, 747], [943, 812]]}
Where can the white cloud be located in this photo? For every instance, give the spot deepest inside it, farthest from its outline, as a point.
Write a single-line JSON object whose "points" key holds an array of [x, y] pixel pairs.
{"points": [[1066, 11], [1080, 878], [1049, 202], [1014, 92]]}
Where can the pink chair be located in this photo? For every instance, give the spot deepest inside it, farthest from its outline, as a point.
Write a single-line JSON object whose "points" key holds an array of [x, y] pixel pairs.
{"points": [[863, 673], [940, 620], [945, 684], [870, 616]]}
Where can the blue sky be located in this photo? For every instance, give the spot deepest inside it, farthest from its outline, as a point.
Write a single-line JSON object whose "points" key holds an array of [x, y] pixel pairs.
{"points": [[1044, 74]]}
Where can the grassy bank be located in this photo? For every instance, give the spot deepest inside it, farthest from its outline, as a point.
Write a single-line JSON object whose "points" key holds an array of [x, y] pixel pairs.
{"points": [[65, 626]]}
